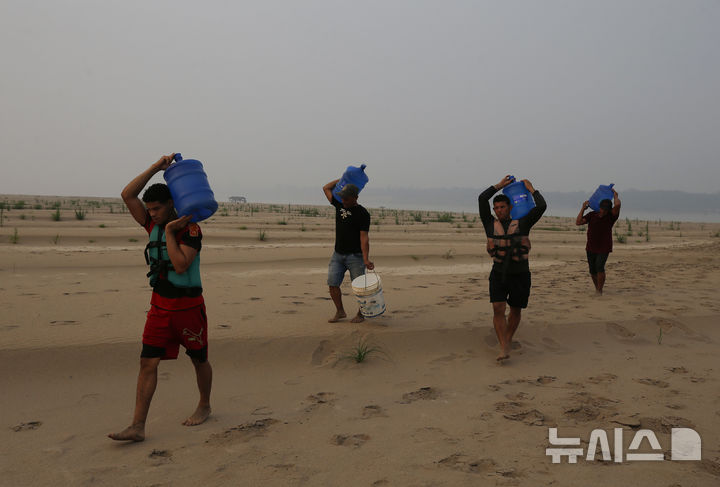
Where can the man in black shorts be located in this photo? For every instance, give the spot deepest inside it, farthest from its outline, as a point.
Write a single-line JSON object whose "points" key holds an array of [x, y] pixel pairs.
{"points": [[352, 244], [508, 245], [599, 237]]}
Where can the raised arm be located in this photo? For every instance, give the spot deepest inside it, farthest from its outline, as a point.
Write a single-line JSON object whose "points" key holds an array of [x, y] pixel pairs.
{"points": [[580, 220], [131, 192], [327, 189], [616, 204]]}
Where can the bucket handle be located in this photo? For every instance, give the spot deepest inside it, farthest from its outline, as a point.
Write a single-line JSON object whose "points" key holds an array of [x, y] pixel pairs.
{"points": [[366, 273]]}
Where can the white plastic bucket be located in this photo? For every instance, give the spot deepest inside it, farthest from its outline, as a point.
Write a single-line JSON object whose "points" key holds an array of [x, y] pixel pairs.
{"points": [[368, 292]]}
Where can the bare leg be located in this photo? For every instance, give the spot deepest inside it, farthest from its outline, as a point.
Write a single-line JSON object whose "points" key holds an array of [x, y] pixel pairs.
{"points": [[500, 323], [595, 281], [600, 282], [336, 296], [513, 320], [203, 372], [146, 384]]}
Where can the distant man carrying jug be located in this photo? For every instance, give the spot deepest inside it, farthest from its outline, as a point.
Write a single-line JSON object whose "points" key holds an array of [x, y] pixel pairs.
{"points": [[508, 245], [177, 308], [599, 237], [352, 244]]}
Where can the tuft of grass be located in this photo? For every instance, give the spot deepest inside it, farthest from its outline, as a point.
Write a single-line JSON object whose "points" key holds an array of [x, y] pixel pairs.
{"points": [[55, 215], [102, 225], [56, 239], [244, 227], [132, 240], [262, 235], [620, 238], [660, 336], [282, 222], [80, 214], [360, 352], [445, 218], [414, 257], [14, 238], [302, 228], [449, 254]]}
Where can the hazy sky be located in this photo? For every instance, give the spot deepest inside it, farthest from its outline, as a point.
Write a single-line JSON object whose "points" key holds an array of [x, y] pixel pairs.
{"points": [[569, 94]]}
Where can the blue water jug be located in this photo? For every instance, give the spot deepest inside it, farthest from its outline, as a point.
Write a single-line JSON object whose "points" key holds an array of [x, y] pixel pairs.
{"points": [[190, 189], [602, 193], [521, 198], [352, 175]]}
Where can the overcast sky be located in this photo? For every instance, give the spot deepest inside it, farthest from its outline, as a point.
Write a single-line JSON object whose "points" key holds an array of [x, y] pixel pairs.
{"points": [[569, 94]]}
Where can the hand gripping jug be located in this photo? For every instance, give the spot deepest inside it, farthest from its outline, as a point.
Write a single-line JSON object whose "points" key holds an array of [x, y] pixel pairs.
{"points": [[190, 189], [521, 198], [352, 175], [602, 193]]}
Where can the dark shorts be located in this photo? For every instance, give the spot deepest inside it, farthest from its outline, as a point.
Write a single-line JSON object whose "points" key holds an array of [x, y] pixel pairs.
{"points": [[514, 289], [596, 262], [166, 330]]}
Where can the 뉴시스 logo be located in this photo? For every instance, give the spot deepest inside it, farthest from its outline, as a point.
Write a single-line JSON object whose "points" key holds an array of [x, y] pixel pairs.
{"points": [[685, 445]]}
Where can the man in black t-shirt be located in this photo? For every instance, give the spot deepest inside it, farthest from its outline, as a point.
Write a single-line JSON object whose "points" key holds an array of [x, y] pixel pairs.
{"points": [[508, 244], [352, 244]]}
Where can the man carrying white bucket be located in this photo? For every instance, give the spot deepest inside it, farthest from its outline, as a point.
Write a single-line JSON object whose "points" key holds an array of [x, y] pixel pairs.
{"points": [[508, 244], [352, 244]]}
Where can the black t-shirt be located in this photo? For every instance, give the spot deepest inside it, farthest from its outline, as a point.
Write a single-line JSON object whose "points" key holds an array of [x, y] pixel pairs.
{"points": [[349, 222], [524, 224]]}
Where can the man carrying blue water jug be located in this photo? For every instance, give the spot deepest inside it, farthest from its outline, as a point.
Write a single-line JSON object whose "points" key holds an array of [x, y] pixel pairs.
{"points": [[177, 308], [352, 244], [508, 245], [599, 237]]}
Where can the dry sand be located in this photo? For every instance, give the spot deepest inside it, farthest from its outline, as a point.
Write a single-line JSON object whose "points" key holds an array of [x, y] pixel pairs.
{"points": [[432, 408]]}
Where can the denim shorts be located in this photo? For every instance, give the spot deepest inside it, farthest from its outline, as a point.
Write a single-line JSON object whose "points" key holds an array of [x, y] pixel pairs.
{"points": [[339, 263]]}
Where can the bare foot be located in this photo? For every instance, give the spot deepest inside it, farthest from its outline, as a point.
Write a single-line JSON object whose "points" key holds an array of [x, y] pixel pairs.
{"points": [[135, 432], [504, 353], [198, 417], [338, 316], [359, 318]]}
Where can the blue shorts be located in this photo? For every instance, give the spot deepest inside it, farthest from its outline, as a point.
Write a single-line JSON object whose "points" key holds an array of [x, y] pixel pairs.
{"points": [[596, 262], [339, 263]]}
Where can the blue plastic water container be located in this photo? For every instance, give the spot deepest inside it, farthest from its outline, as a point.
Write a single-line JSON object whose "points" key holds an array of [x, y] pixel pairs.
{"points": [[521, 198], [352, 175], [602, 193], [190, 189]]}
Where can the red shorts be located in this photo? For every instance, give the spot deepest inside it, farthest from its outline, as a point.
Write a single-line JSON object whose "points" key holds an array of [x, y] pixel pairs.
{"points": [[166, 330]]}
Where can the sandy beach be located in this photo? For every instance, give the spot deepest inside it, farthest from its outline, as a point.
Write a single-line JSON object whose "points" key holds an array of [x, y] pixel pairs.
{"points": [[431, 407]]}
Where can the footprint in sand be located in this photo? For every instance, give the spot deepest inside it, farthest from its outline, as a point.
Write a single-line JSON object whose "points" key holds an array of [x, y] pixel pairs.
{"points": [[373, 411], [652, 382], [354, 441], [605, 378], [161, 456], [30, 425], [243, 432], [9, 327], [460, 461], [262, 411], [516, 411], [618, 331], [255, 298], [223, 325], [323, 353], [63, 322], [320, 399], [422, 394]]}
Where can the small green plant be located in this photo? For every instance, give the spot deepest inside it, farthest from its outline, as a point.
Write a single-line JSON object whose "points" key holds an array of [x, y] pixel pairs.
{"points": [[37, 206], [14, 238], [80, 214], [56, 239], [445, 218], [22, 216], [302, 228], [132, 240], [282, 222], [244, 227], [91, 241], [414, 257], [629, 225], [55, 215], [102, 225], [449, 254], [360, 352], [660, 337], [620, 238], [18, 205], [647, 232], [262, 235]]}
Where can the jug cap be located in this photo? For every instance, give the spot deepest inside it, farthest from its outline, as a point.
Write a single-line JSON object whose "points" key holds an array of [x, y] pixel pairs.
{"points": [[178, 157]]}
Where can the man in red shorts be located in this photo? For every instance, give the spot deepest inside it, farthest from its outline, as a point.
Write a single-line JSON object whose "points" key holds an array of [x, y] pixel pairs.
{"points": [[177, 312], [599, 237]]}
